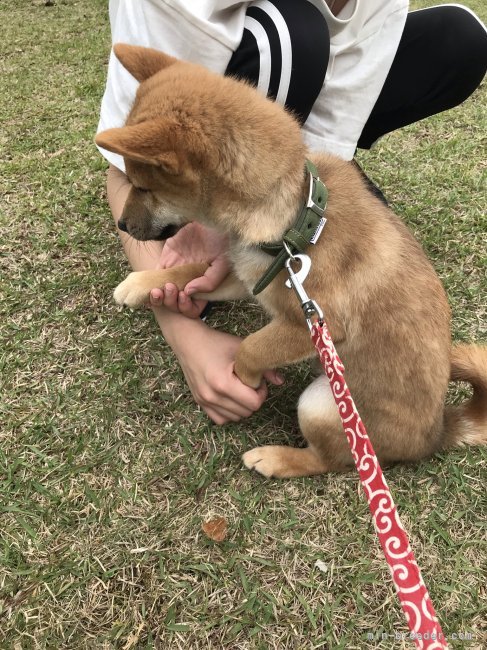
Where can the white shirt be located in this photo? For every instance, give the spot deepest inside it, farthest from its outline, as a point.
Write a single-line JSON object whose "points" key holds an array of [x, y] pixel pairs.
{"points": [[363, 42]]}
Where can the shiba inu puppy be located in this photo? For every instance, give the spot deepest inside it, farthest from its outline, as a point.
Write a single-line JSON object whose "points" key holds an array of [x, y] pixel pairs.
{"points": [[202, 147]]}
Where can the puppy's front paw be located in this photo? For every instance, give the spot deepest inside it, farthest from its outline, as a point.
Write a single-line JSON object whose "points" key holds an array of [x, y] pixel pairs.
{"points": [[132, 292], [246, 375]]}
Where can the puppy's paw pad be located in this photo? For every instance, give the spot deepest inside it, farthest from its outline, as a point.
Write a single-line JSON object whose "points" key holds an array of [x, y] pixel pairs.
{"points": [[264, 460]]}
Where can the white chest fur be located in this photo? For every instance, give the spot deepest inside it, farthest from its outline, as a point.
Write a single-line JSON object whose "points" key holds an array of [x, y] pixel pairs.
{"points": [[249, 263]]}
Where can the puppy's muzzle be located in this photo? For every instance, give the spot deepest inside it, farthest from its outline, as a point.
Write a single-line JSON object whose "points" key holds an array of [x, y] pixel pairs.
{"points": [[167, 232], [164, 233]]}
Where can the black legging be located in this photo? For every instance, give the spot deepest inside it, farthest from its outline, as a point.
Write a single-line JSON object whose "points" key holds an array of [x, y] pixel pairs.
{"points": [[440, 61], [310, 47]]}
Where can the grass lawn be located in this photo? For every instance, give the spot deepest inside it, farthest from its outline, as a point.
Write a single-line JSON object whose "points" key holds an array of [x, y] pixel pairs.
{"points": [[107, 469]]}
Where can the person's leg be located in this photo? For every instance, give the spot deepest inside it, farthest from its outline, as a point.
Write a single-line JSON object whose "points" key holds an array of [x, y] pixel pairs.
{"points": [[441, 60], [284, 52]]}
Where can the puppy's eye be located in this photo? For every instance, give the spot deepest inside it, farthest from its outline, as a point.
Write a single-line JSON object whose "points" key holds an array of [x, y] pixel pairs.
{"points": [[142, 189]]}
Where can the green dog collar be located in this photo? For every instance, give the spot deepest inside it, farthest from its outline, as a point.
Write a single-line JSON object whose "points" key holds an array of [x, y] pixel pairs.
{"points": [[306, 230]]}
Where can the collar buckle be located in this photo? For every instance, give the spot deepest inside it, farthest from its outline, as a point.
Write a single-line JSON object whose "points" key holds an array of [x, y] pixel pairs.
{"points": [[315, 191], [311, 205]]}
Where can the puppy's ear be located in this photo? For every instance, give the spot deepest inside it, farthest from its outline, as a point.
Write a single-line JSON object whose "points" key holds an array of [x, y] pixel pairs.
{"points": [[142, 62], [149, 142]]}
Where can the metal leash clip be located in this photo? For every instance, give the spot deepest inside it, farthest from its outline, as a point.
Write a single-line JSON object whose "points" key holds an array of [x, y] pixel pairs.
{"points": [[310, 307]]}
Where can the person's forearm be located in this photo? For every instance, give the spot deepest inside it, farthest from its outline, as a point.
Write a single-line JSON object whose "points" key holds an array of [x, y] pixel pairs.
{"points": [[179, 332]]}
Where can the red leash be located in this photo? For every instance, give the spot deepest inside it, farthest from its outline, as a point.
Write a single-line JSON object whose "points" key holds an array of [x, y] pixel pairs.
{"points": [[415, 601], [425, 630]]}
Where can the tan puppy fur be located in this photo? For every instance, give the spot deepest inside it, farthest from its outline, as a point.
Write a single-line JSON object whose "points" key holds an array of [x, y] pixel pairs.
{"points": [[199, 146]]}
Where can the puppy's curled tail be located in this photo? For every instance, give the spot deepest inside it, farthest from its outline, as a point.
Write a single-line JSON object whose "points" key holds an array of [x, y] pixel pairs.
{"points": [[466, 424]]}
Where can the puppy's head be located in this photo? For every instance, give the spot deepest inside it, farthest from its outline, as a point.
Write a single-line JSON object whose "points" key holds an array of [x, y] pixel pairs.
{"points": [[193, 143]]}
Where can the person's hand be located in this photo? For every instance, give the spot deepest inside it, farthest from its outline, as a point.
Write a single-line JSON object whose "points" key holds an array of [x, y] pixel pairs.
{"points": [[193, 243], [208, 364]]}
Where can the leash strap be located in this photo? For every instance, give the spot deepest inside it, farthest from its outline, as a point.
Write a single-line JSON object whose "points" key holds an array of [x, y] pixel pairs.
{"points": [[413, 595]]}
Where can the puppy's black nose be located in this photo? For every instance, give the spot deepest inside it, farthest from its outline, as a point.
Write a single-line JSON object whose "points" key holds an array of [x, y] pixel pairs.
{"points": [[122, 225]]}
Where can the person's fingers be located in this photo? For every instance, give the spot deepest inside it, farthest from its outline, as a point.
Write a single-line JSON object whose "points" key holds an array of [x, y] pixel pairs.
{"points": [[274, 377], [188, 307], [247, 399], [171, 297], [213, 277], [227, 407], [175, 300], [261, 393], [156, 297], [220, 415], [231, 398]]}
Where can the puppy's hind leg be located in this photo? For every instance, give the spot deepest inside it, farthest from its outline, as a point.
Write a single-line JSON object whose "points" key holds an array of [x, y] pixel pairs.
{"points": [[320, 423], [275, 461]]}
